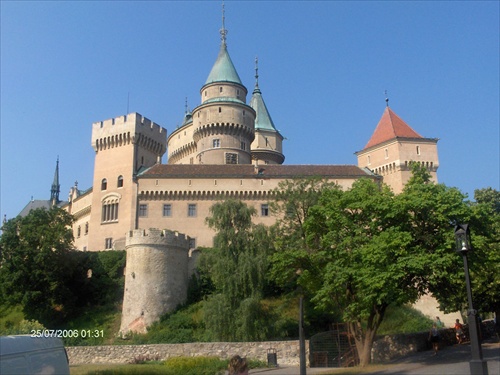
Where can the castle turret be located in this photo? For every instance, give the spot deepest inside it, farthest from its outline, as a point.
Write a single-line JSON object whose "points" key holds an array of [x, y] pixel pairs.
{"points": [[267, 147], [156, 278], [223, 125], [393, 146]]}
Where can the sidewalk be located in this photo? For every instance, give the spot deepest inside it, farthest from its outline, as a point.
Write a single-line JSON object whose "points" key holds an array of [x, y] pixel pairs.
{"points": [[452, 360]]}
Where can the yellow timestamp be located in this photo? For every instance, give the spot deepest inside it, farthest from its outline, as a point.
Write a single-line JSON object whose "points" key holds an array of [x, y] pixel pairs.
{"points": [[64, 333]]}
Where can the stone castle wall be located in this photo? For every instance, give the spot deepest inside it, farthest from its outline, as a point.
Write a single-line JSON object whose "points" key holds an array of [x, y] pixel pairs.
{"points": [[287, 352], [156, 278]]}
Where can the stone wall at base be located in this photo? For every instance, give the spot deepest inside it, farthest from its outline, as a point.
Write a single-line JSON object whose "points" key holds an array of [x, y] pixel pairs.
{"points": [[287, 352]]}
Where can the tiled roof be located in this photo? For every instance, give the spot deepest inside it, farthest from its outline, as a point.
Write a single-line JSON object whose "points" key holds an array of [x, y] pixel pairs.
{"points": [[263, 119], [38, 203], [389, 127], [249, 171]]}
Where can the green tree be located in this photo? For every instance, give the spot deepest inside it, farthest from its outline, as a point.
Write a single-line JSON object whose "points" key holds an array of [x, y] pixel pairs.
{"points": [[35, 264], [366, 248], [238, 266]]}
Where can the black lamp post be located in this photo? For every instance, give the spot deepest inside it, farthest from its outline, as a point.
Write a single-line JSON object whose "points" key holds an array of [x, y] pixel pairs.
{"points": [[478, 366]]}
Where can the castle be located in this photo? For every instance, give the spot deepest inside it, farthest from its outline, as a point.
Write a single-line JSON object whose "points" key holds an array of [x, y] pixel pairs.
{"points": [[225, 148]]}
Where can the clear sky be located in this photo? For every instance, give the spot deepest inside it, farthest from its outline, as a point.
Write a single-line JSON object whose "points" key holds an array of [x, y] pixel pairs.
{"points": [[323, 69]]}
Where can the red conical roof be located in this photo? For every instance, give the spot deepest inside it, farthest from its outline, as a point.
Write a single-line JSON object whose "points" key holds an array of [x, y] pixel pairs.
{"points": [[389, 127]]}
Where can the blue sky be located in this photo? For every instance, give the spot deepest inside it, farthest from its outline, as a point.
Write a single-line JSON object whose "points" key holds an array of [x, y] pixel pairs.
{"points": [[323, 70]]}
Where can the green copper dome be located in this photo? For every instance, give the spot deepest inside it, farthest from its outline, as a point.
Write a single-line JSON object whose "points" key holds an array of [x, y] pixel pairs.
{"points": [[223, 69]]}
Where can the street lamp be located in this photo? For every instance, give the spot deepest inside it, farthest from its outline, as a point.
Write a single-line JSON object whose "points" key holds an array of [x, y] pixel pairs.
{"points": [[478, 366]]}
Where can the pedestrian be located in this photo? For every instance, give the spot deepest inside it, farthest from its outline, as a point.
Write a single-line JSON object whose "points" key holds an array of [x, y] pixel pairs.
{"points": [[434, 338], [459, 331], [439, 323], [237, 366]]}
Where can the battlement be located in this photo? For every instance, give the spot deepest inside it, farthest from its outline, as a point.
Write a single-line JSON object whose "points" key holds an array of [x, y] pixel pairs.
{"points": [[127, 129], [132, 119], [157, 237]]}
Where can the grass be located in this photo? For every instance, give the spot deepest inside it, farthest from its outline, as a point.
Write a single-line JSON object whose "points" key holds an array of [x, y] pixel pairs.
{"points": [[172, 366]]}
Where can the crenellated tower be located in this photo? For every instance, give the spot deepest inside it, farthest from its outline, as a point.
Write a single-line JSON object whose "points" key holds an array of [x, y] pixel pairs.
{"points": [[124, 146]]}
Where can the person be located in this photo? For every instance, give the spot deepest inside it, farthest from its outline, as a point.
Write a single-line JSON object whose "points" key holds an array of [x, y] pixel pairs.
{"points": [[459, 331], [434, 338], [439, 323], [237, 366]]}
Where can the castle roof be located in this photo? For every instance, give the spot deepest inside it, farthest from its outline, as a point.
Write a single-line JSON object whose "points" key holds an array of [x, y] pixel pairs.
{"points": [[223, 69], [193, 171], [391, 126], [263, 120]]}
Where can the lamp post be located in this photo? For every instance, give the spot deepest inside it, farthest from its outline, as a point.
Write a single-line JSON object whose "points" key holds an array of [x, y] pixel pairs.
{"points": [[478, 366]]}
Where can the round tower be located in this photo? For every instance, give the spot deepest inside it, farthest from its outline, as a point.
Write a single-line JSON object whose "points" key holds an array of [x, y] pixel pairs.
{"points": [[156, 277], [223, 125]]}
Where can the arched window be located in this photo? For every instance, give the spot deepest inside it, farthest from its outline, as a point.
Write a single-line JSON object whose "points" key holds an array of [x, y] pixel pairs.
{"points": [[104, 184], [120, 182]]}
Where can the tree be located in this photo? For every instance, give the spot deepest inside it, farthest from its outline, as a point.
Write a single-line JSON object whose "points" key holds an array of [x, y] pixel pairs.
{"points": [[366, 248], [34, 264], [238, 266]]}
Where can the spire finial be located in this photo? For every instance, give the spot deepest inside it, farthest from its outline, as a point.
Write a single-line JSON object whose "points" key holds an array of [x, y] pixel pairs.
{"points": [[186, 105], [256, 71], [223, 31], [386, 99]]}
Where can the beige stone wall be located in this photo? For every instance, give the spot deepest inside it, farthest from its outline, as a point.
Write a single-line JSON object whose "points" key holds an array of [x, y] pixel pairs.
{"points": [[203, 192]]}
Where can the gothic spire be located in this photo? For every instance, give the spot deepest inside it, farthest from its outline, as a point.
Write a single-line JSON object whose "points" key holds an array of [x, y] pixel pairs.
{"points": [[55, 189]]}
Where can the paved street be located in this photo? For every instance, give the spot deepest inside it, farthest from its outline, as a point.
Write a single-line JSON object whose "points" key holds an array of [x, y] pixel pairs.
{"points": [[452, 360]]}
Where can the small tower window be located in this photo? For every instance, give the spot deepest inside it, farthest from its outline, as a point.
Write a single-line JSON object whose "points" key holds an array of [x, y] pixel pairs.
{"points": [[120, 182], [369, 161], [104, 184], [386, 153], [216, 143], [418, 150], [243, 145], [220, 109], [220, 89]]}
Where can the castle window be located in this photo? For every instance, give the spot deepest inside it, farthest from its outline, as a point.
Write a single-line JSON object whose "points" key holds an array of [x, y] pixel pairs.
{"points": [[231, 158], [220, 89], [191, 210], [220, 109], [216, 143], [167, 210], [143, 210], [264, 210], [104, 184], [78, 232], [108, 243], [369, 161], [109, 211], [418, 150], [192, 243], [243, 145], [120, 182], [86, 228], [386, 153], [191, 161]]}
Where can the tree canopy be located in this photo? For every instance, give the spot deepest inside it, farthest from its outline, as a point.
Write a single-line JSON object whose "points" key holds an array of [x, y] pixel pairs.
{"points": [[365, 248]]}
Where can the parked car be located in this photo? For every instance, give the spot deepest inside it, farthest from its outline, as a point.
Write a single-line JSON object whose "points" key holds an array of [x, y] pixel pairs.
{"points": [[26, 355]]}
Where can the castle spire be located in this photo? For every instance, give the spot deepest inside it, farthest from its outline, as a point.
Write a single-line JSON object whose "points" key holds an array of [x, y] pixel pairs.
{"points": [[256, 71], [223, 30], [386, 99], [55, 189]]}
